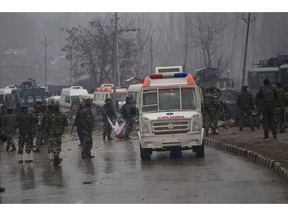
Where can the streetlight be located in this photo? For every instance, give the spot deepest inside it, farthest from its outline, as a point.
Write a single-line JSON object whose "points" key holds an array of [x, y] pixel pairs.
{"points": [[45, 44]]}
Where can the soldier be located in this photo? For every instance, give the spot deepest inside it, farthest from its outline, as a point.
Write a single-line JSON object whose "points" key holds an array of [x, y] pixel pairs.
{"points": [[266, 97], [280, 108], [87, 122], [78, 125], [3, 111], [210, 111], [127, 114], [9, 126], [46, 116], [25, 122], [108, 112], [55, 127], [39, 109], [246, 105]]}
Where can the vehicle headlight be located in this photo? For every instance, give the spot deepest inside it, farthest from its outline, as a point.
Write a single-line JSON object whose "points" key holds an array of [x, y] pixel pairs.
{"points": [[196, 123], [145, 126]]}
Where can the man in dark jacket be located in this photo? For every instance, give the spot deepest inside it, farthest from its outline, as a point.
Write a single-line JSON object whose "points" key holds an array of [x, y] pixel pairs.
{"points": [[87, 121], [108, 112], [267, 96], [246, 105], [9, 125], [127, 112]]}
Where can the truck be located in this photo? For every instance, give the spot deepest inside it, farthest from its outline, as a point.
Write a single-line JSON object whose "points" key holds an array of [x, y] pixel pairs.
{"points": [[29, 93], [170, 117], [275, 69], [209, 77]]}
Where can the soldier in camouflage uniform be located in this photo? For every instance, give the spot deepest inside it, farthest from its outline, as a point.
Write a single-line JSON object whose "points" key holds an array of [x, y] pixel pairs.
{"points": [[280, 108], [210, 111], [87, 121], [246, 105], [108, 112], [267, 96], [55, 127], [25, 123], [9, 125], [46, 116]]}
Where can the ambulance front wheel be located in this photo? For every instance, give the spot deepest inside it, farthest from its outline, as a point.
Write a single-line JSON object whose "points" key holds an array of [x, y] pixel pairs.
{"points": [[145, 153]]}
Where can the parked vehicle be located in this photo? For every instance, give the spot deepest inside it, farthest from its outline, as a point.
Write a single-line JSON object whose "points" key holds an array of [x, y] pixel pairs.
{"points": [[170, 115], [70, 97]]}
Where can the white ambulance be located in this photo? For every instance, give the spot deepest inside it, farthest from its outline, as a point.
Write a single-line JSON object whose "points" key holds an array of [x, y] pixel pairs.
{"points": [[106, 91], [71, 96], [170, 115]]}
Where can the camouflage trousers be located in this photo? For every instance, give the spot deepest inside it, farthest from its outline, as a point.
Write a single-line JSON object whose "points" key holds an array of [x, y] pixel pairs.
{"points": [[87, 143], [10, 140], [280, 118], [25, 139], [129, 127], [40, 138], [55, 144], [210, 120]]}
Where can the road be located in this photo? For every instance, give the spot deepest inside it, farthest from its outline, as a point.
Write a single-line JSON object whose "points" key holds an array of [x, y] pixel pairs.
{"points": [[117, 175]]}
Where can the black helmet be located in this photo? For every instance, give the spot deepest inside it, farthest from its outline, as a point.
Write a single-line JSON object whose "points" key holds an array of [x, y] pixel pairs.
{"points": [[266, 82], [244, 87], [108, 100]]}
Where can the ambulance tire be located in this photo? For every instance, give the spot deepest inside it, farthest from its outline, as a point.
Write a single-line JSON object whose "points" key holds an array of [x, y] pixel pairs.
{"points": [[145, 154], [199, 150]]}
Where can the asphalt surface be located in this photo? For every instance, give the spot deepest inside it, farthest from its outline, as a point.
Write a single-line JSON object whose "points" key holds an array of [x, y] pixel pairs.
{"points": [[118, 176]]}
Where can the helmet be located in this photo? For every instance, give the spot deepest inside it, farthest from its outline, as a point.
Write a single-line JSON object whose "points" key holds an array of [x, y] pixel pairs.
{"points": [[108, 100], [244, 87], [88, 103]]}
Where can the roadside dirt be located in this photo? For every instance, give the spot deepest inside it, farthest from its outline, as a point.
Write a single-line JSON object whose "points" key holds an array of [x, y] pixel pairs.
{"points": [[273, 149]]}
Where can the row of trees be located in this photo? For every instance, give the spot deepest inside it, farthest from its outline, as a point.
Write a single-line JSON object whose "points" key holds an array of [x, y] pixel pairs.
{"points": [[193, 40], [91, 49]]}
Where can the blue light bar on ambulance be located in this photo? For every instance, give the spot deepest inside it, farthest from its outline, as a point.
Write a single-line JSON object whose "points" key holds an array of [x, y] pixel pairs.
{"points": [[160, 76]]}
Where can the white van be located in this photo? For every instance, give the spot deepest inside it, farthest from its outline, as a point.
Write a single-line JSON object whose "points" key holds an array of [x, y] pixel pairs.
{"points": [[70, 96], [55, 99], [6, 97], [106, 91]]}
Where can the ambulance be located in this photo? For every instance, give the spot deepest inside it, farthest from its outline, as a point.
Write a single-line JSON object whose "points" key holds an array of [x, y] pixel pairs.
{"points": [[106, 91], [70, 97], [170, 117]]}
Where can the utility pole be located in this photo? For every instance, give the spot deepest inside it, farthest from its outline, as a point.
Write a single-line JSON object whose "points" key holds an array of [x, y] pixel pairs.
{"points": [[45, 44], [71, 67], [115, 65], [151, 54], [248, 21]]}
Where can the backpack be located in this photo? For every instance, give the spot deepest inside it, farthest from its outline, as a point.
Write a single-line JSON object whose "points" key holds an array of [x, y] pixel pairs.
{"points": [[56, 124]]}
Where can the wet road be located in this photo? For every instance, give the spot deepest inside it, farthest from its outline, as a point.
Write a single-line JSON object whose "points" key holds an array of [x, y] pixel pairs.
{"points": [[117, 175]]}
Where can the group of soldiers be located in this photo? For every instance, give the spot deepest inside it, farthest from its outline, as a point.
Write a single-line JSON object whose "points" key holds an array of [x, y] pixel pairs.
{"points": [[270, 102], [268, 106], [46, 125]]}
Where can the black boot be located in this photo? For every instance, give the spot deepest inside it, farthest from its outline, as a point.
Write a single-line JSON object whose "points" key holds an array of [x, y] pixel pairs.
{"points": [[57, 160]]}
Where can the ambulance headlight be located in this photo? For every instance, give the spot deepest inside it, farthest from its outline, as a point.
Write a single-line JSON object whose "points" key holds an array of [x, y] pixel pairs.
{"points": [[196, 123], [145, 126]]}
